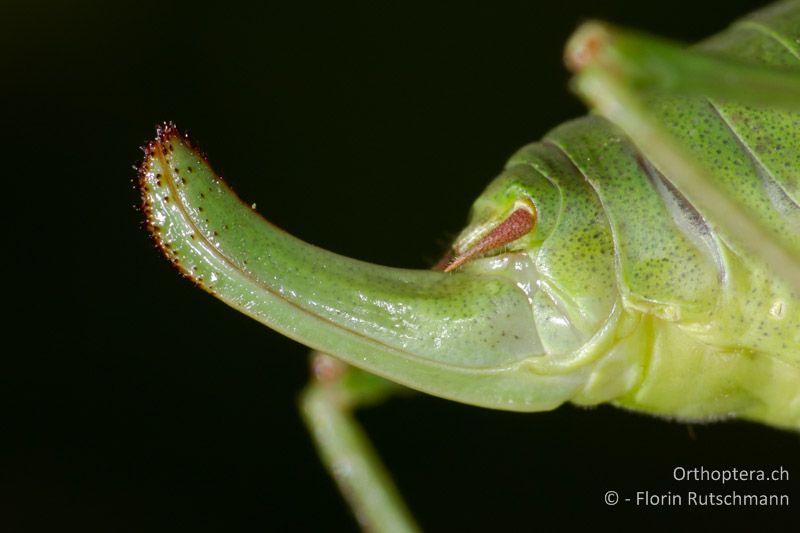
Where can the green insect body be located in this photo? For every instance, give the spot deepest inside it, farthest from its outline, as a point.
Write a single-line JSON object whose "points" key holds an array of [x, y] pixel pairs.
{"points": [[689, 327], [624, 291], [616, 243]]}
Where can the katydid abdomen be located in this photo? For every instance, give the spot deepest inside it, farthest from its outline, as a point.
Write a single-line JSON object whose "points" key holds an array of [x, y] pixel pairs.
{"points": [[700, 329], [707, 331], [623, 291]]}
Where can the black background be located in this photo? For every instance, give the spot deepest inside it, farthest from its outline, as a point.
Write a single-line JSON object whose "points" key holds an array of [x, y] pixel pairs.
{"points": [[131, 401]]}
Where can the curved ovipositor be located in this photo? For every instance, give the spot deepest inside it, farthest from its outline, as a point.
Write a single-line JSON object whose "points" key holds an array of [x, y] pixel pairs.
{"points": [[460, 336]]}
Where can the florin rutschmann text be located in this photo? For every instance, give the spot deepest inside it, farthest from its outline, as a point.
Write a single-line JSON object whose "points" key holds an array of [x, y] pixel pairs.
{"points": [[692, 498]]}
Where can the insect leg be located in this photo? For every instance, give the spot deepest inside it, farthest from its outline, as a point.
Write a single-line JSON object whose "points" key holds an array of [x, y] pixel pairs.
{"points": [[619, 70], [327, 407]]}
